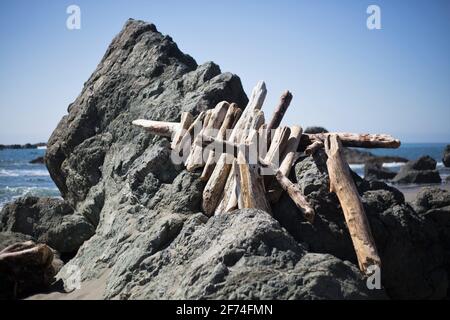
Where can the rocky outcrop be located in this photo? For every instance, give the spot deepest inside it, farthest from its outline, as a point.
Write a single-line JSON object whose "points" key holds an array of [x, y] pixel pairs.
{"points": [[47, 220], [242, 255], [38, 160], [422, 170], [434, 205], [446, 156], [375, 171], [404, 239]]}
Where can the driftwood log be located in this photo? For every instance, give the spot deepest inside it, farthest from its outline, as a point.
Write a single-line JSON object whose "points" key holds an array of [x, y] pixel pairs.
{"points": [[341, 183], [246, 163], [26, 268]]}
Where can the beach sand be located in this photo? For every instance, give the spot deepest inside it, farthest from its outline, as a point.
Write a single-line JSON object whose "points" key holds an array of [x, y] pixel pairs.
{"points": [[410, 192]]}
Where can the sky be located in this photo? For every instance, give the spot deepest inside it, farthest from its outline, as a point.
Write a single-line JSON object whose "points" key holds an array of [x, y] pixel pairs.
{"points": [[343, 76]]}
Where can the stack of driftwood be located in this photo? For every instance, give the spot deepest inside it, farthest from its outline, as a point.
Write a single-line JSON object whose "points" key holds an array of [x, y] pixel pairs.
{"points": [[246, 162]]}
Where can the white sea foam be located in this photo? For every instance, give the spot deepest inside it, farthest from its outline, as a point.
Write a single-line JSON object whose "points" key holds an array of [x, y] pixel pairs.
{"points": [[24, 173], [393, 164], [356, 166], [42, 148]]}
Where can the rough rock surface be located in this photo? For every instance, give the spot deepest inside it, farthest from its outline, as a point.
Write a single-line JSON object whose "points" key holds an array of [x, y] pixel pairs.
{"points": [[422, 170], [405, 240], [8, 238], [375, 171], [47, 220], [446, 156], [434, 205], [151, 241]]}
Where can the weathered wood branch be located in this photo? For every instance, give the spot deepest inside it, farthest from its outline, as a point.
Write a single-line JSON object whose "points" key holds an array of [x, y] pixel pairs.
{"points": [[184, 146], [186, 120], [160, 128], [288, 157], [313, 148], [357, 140], [229, 122], [292, 190], [196, 159], [255, 103], [278, 114], [342, 184]]}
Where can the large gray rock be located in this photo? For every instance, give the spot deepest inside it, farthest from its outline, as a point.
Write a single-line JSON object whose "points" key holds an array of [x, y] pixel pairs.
{"points": [[405, 240], [422, 170], [243, 255], [376, 171], [446, 156], [47, 220], [434, 205]]}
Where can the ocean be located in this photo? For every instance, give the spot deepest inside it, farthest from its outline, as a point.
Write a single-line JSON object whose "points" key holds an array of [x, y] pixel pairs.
{"points": [[410, 151], [20, 178]]}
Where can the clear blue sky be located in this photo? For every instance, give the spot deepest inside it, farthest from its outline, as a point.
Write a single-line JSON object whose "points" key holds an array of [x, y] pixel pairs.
{"points": [[343, 76]]}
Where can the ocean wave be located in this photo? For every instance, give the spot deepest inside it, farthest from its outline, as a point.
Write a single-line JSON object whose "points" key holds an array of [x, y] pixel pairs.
{"points": [[356, 166], [9, 194], [24, 173], [393, 164]]}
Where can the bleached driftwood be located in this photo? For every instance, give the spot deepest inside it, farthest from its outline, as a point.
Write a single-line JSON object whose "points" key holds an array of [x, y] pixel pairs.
{"points": [[341, 183], [160, 128], [229, 122], [356, 140], [184, 146], [185, 123], [278, 114], [255, 103], [195, 159], [289, 157]]}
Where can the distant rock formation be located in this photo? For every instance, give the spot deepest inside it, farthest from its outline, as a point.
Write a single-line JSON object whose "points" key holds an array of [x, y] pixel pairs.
{"points": [[22, 146], [422, 170], [374, 170], [446, 157], [38, 160]]}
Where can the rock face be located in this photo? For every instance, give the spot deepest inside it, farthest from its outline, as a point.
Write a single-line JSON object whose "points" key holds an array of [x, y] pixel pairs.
{"points": [[47, 220], [38, 160], [375, 171], [405, 240], [434, 205], [422, 170], [446, 157]]}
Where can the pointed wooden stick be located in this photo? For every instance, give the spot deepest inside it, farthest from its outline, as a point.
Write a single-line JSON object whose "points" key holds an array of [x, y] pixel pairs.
{"points": [[160, 128], [341, 183], [313, 148], [255, 103], [253, 127], [278, 114], [184, 146], [292, 190], [288, 157], [229, 122], [185, 123]]}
